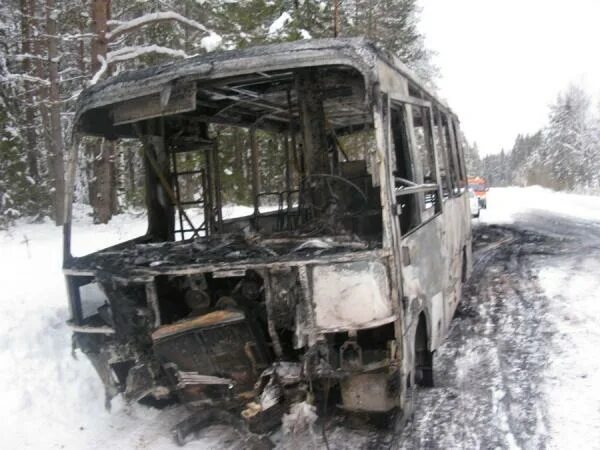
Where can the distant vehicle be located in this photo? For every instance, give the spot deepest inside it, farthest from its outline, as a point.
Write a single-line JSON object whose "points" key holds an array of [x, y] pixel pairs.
{"points": [[474, 204], [479, 186], [339, 296]]}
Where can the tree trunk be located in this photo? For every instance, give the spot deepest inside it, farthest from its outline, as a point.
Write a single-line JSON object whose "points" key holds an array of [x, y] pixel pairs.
{"points": [[102, 184], [129, 177], [42, 92], [27, 12], [56, 138]]}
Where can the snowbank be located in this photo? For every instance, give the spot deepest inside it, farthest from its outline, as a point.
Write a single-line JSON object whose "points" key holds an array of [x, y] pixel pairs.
{"points": [[505, 204], [52, 400], [573, 381]]}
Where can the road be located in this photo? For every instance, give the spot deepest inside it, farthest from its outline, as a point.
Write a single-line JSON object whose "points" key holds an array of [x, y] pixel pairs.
{"points": [[496, 371]]}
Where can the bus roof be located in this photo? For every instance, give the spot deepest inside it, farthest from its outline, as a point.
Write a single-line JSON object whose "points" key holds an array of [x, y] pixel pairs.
{"points": [[357, 53]]}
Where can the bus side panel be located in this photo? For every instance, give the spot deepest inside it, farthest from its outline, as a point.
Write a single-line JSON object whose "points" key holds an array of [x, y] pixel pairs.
{"points": [[457, 240], [424, 275], [434, 258]]}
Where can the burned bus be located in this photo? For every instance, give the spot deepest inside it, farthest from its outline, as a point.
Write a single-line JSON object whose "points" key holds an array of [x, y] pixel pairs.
{"points": [[335, 287]]}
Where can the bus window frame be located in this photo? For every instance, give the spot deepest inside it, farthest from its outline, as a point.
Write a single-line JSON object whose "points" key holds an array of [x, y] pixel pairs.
{"points": [[452, 151], [404, 105], [460, 156], [442, 153]]}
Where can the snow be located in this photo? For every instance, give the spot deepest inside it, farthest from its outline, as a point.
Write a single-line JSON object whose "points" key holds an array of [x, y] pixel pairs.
{"points": [[573, 389], [305, 34], [211, 42], [101, 70], [505, 205], [24, 77], [279, 23], [130, 52], [52, 401]]}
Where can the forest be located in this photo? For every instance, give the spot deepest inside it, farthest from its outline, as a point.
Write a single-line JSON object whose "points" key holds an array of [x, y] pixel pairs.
{"points": [[52, 49], [564, 155]]}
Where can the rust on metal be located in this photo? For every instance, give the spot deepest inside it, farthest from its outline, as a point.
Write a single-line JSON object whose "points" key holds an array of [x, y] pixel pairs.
{"points": [[207, 320]]}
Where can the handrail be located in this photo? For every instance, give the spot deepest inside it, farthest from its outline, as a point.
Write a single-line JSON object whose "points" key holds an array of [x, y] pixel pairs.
{"points": [[405, 181], [416, 189]]}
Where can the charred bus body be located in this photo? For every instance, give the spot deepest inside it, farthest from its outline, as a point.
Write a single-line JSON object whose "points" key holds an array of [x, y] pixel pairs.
{"points": [[341, 290]]}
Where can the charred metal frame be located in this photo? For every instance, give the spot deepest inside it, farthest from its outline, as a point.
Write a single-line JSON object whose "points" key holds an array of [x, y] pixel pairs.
{"points": [[277, 314]]}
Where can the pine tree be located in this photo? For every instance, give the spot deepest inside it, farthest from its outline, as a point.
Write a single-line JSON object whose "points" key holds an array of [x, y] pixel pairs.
{"points": [[52, 52], [393, 23], [472, 159], [567, 139]]}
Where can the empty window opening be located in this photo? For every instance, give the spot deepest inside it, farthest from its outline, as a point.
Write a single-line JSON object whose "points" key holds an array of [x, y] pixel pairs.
{"points": [[426, 156], [409, 214], [278, 153], [416, 186], [441, 146]]}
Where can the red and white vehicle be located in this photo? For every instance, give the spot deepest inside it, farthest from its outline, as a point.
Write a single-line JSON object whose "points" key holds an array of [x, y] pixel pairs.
{"points": [[479, 186]]}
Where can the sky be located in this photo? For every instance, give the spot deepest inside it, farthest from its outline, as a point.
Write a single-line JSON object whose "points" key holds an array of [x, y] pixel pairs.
{"points": [[503, 63]]}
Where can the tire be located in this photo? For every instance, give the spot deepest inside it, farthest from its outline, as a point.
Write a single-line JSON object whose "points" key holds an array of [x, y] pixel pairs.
{"points": [[424, 376], [423, 357]]}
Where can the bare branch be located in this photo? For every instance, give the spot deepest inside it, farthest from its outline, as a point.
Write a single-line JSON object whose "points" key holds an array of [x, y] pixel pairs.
{"points": [[127, 53], [100, 72], [146, 19], [24, 77], [23, 56], [78, 36]]}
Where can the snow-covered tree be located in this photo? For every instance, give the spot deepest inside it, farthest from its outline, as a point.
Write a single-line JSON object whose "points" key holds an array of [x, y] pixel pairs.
{"points": [[567, 139], [393, 23], [472, 158], [565, 155], [54, 48]]}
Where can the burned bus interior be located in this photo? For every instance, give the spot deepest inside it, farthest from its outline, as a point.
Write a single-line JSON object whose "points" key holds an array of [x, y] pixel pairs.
{"points": [[324, 138], [322, 121], [256, 311]]}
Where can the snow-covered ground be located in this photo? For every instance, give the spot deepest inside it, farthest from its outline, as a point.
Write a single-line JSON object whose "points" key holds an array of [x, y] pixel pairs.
{"points": [[520, 369], [506, 205]]}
